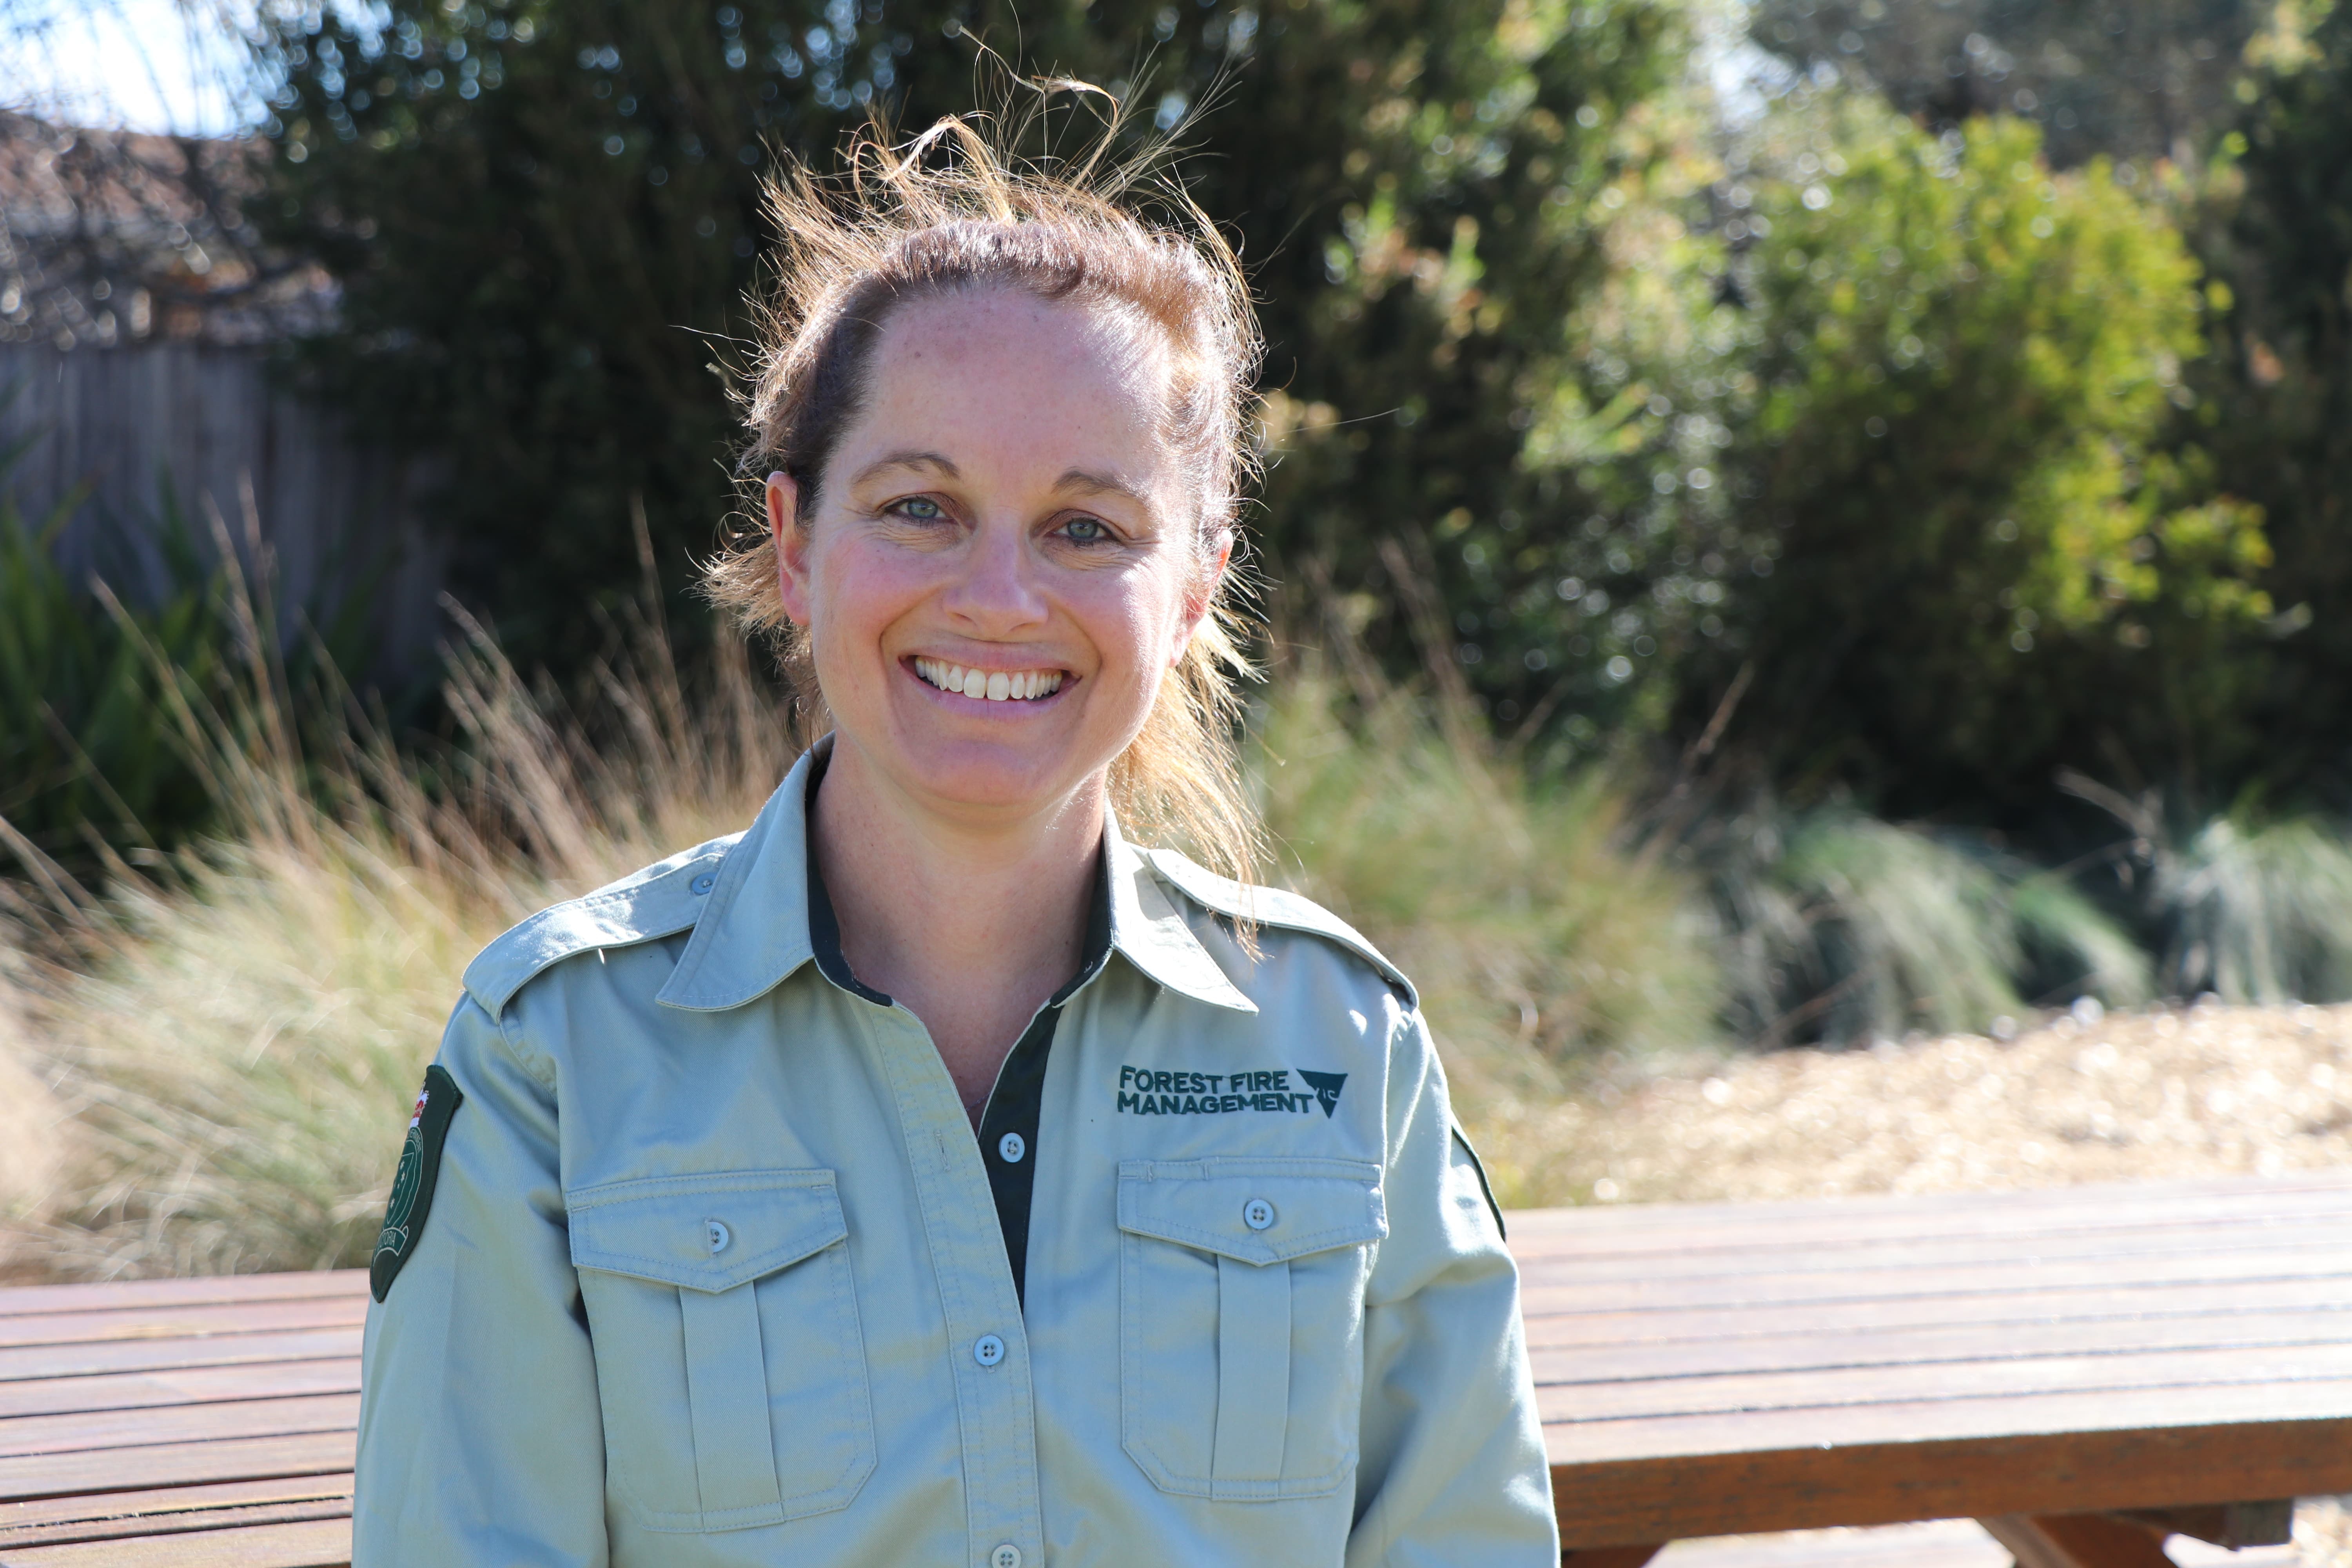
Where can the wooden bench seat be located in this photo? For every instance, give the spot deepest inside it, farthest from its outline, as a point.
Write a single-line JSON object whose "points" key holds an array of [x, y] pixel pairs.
{"points": [[2083, 1371]]}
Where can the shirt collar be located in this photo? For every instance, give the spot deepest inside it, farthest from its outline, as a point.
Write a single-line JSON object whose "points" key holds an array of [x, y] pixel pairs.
{"points": [[758, 925], [1149, 930]]}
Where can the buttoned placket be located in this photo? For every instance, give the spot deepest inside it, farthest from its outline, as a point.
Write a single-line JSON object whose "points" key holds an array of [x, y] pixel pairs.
{"points": [[996, 1404]]}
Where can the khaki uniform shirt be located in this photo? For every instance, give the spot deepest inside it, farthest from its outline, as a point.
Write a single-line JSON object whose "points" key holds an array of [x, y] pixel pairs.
{"points": [[715, 1271]]}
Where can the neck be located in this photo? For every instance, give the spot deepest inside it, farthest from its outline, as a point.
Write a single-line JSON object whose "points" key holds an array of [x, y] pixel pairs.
{"points": [[972, 926]]}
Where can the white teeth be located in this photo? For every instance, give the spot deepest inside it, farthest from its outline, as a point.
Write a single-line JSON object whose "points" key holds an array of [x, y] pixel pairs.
{"points": [[992, 686]]}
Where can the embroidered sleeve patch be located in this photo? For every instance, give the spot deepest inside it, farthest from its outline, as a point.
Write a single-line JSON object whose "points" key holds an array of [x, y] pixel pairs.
{"points": [[411, 1184]]}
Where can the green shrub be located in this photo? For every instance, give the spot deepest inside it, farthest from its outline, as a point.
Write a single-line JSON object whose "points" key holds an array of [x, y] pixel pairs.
{"points": [[1964, 561], [1839, 927], [545, 216], [86, 746]]}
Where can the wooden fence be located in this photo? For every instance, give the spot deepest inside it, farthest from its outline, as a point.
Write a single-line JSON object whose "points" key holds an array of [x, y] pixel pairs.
{"points": [[119, 426]]}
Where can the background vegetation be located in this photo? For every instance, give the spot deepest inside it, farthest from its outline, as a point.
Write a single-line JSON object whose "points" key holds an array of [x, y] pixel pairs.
{"points": [[1800, 522]]}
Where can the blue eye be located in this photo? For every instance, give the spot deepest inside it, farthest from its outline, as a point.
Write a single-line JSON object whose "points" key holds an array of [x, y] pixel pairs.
{"points": [[1085, 531], [923, 508]]}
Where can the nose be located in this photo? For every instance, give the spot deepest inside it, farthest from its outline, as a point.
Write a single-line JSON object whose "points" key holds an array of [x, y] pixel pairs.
{"points": [[995, 590]]}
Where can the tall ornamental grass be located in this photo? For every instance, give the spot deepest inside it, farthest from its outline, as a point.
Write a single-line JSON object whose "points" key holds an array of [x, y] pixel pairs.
{"points": [[222, 1049], [1538, 940], [207, 1067]]}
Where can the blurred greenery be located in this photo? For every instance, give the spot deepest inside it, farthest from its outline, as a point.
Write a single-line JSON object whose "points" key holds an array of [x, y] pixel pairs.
{"points": [[1826, 421], [86, 746], [544, 216], [105, 670], [2274, 221], [1981, 565], [1837, 925], [2145, 80]]}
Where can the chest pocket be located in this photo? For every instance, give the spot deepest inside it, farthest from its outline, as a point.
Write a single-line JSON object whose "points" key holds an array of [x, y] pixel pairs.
{"points": [[729, 1360], [1242, 1322]]}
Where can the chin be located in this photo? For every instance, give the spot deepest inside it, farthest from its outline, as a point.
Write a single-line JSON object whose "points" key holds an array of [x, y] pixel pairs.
{"points": [[991, 776]]}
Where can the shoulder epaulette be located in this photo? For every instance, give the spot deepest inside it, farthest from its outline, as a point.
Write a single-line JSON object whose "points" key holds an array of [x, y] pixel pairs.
{"points": [[660, 901], [1275, 907]]}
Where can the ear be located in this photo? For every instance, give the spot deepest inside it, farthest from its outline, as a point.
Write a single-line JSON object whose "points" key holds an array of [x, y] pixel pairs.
{"points": [[792, 547], [1201, 595]]}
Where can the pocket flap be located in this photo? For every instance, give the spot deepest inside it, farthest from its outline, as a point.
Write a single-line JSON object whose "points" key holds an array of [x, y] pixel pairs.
{"points": [[705, 1233], [1255, 1210]]}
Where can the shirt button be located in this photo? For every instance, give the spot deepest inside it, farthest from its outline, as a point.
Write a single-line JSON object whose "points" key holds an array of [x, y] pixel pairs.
{"points": [[1258, 1214], [1005, 1556], [718, 1234], [704, 883], [988, 1349], [1011, 1147]]}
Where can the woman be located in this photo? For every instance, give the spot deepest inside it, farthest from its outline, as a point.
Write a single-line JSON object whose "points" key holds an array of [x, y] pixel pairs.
{"points": [[930, 1174]]}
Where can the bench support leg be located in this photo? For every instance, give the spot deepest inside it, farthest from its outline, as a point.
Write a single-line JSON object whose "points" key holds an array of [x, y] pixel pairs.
{"points": [[1608, 1556], [2077, 1541], [2230, 1525]]}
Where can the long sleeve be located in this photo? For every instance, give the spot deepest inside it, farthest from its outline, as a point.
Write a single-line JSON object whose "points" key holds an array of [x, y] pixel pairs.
{"points": [[1453, 1468], [480, 1435]]}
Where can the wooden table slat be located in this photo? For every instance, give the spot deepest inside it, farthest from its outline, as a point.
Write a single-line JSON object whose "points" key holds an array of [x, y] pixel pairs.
{"points": [[325, 1543], [2180, 1244], [202, 1291], [192, 1387], [166, 1502], [98, 1358], [91, 1470], [1669, 1325], [1767, 1288], [2187, 1373], [185, 1523], [93, 1326], [2094, 1206], [2091, 1417], [1808, 1344], [1889, 1480], [24, 1437]]}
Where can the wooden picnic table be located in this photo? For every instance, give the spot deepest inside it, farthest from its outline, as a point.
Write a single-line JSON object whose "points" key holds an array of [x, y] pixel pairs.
{"points": [[2083, 1370]]}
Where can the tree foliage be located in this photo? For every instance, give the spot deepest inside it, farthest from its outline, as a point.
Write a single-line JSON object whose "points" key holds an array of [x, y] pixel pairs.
{"points": [[1971, 560], [2279, 387], [545, 217], [2130, 78]]}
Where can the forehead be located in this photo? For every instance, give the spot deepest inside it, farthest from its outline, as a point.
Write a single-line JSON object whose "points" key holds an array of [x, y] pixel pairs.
{"points": [[1004, 374]]}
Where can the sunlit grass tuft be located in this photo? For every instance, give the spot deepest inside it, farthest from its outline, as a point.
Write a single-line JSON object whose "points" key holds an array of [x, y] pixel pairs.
{"points": [[1839, 927], [234, 1040]]}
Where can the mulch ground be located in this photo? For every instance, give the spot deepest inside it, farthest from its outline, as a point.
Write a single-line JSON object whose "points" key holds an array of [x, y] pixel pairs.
{"points": [[2201, 1091], [2160, 1092]]}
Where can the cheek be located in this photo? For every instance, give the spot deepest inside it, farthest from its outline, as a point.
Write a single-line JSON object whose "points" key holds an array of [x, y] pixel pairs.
{"points": [[1145, 620], [856, 590]]}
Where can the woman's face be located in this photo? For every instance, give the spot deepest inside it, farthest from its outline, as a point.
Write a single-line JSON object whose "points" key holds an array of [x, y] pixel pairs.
{"points": [[1003, 559]]}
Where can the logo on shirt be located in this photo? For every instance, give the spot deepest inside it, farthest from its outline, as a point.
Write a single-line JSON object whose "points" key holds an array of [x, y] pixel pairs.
{"points": [[1146, 1092], [412, 1184]]}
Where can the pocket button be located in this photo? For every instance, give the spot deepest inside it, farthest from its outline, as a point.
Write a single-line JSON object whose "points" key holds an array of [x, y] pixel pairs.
{"points": [[1258, 1214], [718, 1234]]}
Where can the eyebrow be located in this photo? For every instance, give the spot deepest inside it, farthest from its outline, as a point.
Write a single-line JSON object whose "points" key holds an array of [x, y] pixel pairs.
{"points": [[908, 459], [1093, 484], [1084, 481]]}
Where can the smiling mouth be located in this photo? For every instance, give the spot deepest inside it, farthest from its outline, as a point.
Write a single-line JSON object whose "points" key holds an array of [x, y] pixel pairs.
{"points": [[990, 685]]}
